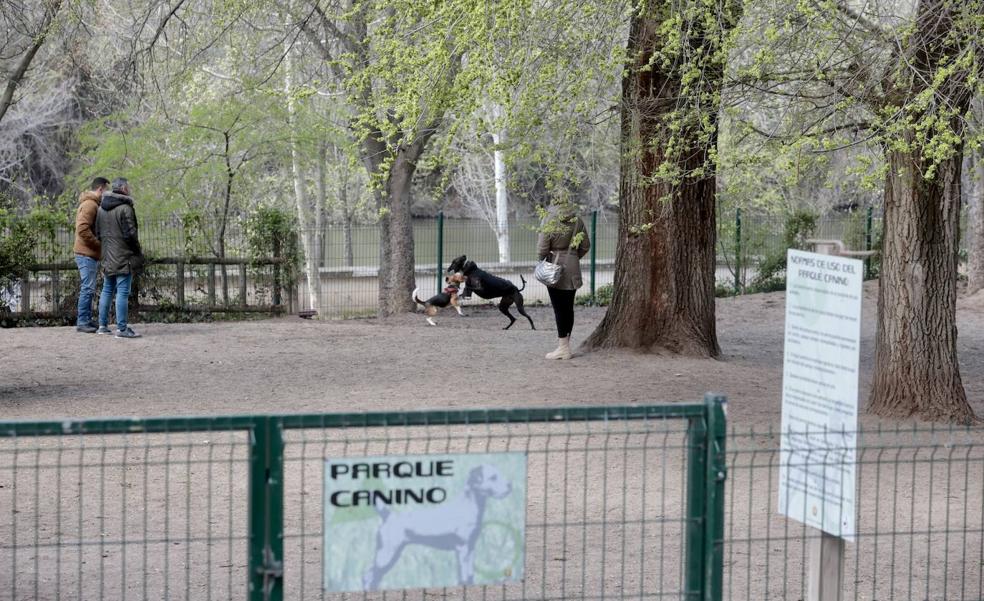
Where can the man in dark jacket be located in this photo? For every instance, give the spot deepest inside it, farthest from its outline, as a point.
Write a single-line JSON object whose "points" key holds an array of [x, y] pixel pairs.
{"points": [[116, 228], [87, 251]]}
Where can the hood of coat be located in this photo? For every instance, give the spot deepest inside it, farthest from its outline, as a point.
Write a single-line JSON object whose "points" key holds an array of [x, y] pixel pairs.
{"points": [[111, 200], [90, 196]]}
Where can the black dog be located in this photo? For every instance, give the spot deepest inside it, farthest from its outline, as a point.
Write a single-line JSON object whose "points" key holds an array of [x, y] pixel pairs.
{"points": [[488, 286]]}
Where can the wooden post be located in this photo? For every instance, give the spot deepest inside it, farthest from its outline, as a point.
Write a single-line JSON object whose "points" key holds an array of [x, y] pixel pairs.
{"points": [[179, 268], [55, 290], [26, 292], [825, 580], [211, 284], [242, 284], [440, 251], [825, 564], [277, 300], [133, 301]]}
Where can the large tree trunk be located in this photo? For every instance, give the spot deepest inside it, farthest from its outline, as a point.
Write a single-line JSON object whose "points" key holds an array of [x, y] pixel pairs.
{"points": [[393, 154], [397, 281], [397, 277], [916, 369], [664, 273]]}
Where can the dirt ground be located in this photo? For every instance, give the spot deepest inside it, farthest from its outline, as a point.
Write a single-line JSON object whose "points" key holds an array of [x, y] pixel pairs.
{"points": [[78, 531], [292, 365]]}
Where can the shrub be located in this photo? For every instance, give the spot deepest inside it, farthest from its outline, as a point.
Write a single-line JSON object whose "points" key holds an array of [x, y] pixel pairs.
{"points": [[272, 232], [603, 297], [771, 276], [724, 289], [773, 284], [19, 237]]}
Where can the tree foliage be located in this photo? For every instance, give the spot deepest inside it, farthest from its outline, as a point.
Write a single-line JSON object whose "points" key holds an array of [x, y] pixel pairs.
{"points": [[218, 107]]}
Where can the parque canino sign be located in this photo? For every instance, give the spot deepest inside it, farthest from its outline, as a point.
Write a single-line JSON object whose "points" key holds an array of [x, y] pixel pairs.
{"points": [[423, 521]]}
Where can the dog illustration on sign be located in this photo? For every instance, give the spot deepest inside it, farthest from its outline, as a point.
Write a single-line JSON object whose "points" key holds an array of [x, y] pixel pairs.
{"points": [[451, 526]]}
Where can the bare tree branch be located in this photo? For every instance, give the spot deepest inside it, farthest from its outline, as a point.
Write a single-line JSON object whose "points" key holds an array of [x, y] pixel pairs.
{"points": [[18, 75]]}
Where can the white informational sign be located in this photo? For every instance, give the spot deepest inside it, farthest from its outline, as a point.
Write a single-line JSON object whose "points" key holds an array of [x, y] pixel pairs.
{"points": [[820, 391], [422, 521]]}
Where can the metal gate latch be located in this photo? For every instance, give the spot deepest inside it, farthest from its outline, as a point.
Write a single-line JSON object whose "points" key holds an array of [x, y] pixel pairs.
{"points": [[272, 571]]}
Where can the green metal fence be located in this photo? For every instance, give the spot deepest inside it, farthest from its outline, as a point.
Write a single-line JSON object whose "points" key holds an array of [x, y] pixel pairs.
{"points": [[654, 502], [919, 510], [347, 283], [621, 501]]}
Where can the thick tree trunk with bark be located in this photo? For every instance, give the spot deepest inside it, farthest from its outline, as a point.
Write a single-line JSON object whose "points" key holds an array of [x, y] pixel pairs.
{"points": [[398, 280], [916, 368], [664, 273], [397, 277], [393, 155]]}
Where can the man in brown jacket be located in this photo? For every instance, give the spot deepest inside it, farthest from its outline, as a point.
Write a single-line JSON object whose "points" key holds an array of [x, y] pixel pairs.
{"points": [[88, 251]]}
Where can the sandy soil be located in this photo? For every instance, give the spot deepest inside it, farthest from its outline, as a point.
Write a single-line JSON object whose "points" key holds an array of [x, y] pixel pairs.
{"points": [[293, 365], [78, 530]]}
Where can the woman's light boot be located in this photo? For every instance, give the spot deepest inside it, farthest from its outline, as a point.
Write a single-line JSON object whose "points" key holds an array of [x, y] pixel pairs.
{"points": [[563, 350]]}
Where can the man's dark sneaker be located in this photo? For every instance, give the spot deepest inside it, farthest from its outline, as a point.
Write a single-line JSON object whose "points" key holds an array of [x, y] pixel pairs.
{"points": [[87, 329], [104, 330], [127, 333]]}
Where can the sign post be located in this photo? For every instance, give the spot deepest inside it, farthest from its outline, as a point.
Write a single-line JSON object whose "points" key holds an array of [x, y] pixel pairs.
{"points": [[826, 568], [817, 479]]}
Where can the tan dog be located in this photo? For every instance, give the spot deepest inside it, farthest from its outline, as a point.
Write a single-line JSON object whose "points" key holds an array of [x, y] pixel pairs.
{"points": [[448, 296]]}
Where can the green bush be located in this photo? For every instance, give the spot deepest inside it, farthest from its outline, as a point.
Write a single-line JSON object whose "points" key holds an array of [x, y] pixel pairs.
{"points": [[19, 237], [773, 284], [603, 297], [771, 276], [874, 263], [272, 232]]}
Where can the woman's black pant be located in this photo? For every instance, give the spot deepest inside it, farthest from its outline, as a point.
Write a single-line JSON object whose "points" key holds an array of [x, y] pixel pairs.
{"points": [[563, 306]]}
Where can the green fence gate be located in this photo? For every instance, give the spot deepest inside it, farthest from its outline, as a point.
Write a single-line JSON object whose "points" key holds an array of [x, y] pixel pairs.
{"points": [[623, 502]]}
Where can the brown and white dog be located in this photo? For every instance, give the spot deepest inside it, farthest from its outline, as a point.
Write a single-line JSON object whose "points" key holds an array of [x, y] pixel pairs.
{"points": [[448, 296]]}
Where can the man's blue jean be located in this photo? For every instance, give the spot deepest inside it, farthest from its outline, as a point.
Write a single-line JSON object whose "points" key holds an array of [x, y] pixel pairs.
{"points": [[88, 267], [120, 284]]}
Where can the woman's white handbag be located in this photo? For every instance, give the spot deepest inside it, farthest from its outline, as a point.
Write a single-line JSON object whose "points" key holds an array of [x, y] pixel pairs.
{"points": [[548, 273]]}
